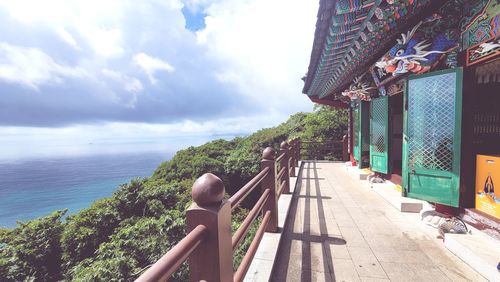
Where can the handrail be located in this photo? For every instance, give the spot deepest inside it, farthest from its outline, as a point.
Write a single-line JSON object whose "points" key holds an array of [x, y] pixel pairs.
{"points": [[247, 259], [210, 246], [171, 261], [252, 215], [239, 196]]}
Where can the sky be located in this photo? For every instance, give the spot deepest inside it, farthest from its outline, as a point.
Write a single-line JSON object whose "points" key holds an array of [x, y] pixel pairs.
{"points": [[75, 73]]}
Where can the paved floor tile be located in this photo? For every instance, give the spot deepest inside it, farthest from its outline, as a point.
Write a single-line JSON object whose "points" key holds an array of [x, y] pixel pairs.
{"points": [[344, 270], [341, 230], [366, 263]]}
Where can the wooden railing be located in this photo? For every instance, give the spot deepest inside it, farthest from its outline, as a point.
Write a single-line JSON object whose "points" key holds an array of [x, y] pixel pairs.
{"points": [[333, 150], [209, 245]]}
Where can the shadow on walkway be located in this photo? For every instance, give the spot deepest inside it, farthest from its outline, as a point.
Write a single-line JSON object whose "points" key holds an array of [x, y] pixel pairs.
{"points": [[295, 259]]}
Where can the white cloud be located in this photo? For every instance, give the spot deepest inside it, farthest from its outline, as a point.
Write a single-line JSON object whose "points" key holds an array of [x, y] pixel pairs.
{"points": [[93, 20], [253, 51], [151, 65], [196, 6], [32, 67], [19, 143], [66, 36], [264, 46], [105, 42], [131, 85]]}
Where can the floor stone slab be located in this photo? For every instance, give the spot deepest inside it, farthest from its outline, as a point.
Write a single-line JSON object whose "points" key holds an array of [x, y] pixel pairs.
{"points": [[341, 230]]}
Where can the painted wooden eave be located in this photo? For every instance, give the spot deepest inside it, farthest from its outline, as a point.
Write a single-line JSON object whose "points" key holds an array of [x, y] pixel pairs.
{"points": [[348, 42]]}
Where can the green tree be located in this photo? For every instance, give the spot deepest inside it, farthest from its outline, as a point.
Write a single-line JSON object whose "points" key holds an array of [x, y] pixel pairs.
{"points": [[325, 123], [31, 251], [139, 242]]}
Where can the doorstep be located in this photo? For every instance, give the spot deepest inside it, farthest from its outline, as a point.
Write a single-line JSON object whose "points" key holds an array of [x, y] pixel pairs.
{"points": [[262, 264], [478, 250], [389, 191], [357, 173]]}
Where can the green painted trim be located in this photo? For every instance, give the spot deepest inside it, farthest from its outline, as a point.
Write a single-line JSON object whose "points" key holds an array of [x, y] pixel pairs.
{"points": [[405, 141], [433, 73], [457, 144]]}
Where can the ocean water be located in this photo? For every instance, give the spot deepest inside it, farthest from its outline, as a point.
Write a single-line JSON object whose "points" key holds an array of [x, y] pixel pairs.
{"points": [[30, 188]]}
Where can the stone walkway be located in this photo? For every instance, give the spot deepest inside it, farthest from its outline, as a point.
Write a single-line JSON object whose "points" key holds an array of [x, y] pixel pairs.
{"points": [[340, 230]]}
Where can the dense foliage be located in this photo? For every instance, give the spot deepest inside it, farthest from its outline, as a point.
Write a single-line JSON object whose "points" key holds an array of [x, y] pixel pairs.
{"points": [[118, 237]]}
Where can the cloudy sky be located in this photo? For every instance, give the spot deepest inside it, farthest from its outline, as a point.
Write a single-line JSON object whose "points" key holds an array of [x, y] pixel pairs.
{"points": [[79, 72]]}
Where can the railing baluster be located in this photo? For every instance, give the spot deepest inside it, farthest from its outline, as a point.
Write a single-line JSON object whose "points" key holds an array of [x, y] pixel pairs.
{"points": [[209, 243], [292, 157], [213, 258], [269, 182], [285, 163], [297, 152]]}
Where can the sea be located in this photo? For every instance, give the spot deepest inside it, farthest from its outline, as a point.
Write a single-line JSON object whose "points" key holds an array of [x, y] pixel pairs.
{"points": [[35, 183], [36, 187]]}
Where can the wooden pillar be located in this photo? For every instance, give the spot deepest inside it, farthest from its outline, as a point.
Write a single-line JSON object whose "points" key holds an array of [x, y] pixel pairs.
{"points": [[213, 258]]}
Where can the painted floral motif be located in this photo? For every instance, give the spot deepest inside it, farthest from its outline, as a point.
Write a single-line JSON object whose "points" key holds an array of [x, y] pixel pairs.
{"points": [[481, 21]]}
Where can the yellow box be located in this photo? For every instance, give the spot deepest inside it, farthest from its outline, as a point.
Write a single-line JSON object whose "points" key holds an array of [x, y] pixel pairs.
{"points": [[487, 177]]}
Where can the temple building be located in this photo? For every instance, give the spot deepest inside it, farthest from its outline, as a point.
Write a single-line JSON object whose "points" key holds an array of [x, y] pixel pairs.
{"points": [[421, 80]]}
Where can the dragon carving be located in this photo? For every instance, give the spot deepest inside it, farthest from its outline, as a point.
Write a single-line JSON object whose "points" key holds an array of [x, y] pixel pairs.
{"points": [[359, 89], [414, 54]]}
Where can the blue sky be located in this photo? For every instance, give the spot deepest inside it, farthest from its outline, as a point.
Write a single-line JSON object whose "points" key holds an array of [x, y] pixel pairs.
{"points": [[92, 70], [195, 18]]}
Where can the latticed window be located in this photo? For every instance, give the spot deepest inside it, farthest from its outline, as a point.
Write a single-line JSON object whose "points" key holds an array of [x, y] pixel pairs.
{"points": [[431, 122], [378, 124]]}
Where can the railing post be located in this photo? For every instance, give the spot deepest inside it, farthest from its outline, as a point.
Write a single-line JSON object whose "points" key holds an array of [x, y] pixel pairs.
{"points": [[292, 157], [285, 163], [269, 182], [213, 258], [297, 152]]}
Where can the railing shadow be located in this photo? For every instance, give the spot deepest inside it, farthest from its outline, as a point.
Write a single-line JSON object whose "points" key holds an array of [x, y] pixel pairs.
{"points": [[281, 271]]}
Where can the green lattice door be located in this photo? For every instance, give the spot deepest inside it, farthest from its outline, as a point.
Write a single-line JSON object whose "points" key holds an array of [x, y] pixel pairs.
{"points": [[357, 129], [379, 133], [431, 152]]}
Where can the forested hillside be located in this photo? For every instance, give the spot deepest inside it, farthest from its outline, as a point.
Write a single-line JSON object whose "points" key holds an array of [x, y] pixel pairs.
{"points": [[118, 237]]}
